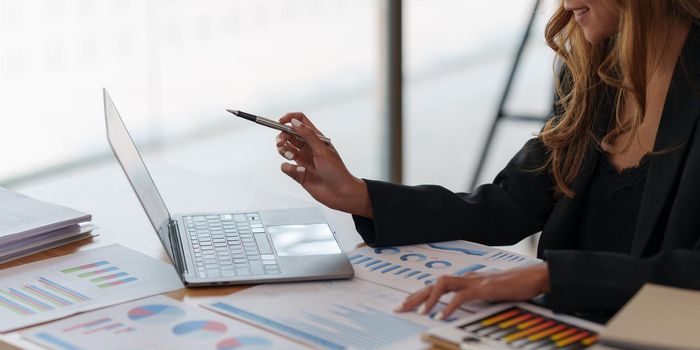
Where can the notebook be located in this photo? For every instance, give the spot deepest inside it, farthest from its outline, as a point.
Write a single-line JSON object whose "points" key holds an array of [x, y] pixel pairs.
{"points": [[657, 317]]}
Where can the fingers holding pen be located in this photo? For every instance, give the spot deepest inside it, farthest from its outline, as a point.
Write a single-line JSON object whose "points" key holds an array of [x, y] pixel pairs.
{"points": [[291, 152], [287, 150], [287, 118], [283, 137], [303, 126], [305, 151], [296, 172], [310, 136]]}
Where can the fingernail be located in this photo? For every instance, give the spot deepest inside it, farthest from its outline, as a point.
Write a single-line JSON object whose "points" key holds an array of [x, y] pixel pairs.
{"points": [[289, 155], [422, 309], [301, 169], [278, 141], [439, 316], [296, 122], [398, 308]]}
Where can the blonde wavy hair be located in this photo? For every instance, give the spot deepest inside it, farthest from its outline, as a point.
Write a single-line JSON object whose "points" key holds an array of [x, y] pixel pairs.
{"points": [[619, 62]]}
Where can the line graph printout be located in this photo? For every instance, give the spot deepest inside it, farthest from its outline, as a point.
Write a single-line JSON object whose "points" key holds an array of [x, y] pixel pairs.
{"points": [[62, 286], [157, 322], [352, 314], [410, 268]]}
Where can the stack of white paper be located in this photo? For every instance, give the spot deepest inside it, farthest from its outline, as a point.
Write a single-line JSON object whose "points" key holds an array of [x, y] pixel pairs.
{"points": [[28, 226]]}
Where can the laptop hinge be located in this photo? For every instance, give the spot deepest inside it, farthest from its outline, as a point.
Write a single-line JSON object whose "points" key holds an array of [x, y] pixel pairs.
{"points": [[176, 244]]}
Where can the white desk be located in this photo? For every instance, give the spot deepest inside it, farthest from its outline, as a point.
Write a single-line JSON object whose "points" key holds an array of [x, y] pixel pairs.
{"points": [[104, 192]]}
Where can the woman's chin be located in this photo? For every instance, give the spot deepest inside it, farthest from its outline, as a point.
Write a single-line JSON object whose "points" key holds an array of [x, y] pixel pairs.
{"points": [[596, 36]]}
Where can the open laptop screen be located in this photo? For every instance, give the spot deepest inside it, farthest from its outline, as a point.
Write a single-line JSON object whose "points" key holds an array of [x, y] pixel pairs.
{"points": [[135, 170]]}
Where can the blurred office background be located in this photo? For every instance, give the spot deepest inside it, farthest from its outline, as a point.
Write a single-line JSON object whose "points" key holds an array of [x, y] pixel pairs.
{"points": [[172, 66]]}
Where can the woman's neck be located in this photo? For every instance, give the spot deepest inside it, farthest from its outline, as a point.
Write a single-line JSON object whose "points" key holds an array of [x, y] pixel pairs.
{"points": [[665, 47]]}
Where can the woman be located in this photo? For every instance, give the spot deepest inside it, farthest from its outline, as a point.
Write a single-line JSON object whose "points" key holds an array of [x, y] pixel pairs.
{"points": [[612, 180]]}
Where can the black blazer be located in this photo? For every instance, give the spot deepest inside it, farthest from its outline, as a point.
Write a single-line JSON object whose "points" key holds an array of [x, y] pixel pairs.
{"points": [[521, 202]]}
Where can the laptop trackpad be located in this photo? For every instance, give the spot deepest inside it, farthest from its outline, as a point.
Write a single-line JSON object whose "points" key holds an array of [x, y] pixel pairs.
{"points": [[314, 239]]}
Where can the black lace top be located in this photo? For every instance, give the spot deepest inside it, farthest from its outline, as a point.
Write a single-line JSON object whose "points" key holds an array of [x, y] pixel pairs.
{"points": [[611, 207]]}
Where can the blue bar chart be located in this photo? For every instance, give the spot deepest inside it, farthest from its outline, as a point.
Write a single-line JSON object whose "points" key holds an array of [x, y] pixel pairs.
{"points": [[359, 328], [410, 268], [389, 268], [468, 269], [505, 256], [276, 326], [350, 314]]}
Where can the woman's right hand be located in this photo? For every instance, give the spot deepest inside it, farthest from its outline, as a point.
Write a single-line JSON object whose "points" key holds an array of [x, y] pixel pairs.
{"points": [[319, 168]]}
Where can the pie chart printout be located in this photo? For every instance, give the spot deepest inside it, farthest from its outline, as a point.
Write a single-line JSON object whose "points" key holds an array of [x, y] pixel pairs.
{"points": [[242, 342], [155, 313], [200, 329]]}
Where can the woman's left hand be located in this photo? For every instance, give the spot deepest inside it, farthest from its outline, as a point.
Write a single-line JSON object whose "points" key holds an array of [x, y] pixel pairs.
{"points": [[513, 285]]}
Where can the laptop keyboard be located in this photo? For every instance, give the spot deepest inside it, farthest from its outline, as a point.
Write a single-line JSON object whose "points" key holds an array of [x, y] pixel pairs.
{"points": [[230, 245]]}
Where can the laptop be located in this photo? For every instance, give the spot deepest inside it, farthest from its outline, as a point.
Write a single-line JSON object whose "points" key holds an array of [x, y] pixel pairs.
{"points": [[235, 247]]}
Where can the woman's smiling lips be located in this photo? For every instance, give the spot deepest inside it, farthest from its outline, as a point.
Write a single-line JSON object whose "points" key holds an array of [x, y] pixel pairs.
{"points": [[580, 13]]}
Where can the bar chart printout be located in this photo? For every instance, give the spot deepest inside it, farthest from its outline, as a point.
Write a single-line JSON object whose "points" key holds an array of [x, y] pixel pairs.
{"points": [[41, 295], [101, 273], [524, 328], [59, 287], [343, 314], [154, 323], [356, 328]]}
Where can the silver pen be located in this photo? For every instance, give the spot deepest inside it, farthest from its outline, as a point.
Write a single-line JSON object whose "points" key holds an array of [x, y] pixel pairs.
{"points": [[273, 124]]}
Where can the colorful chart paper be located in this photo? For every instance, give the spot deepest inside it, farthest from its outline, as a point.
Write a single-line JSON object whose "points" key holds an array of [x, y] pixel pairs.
{"points": [[200, 328], [351, 314], [133, 326], [410, 268], [59, 287], [523, 327], [42, 295], [106, 276], [242, 343], [157, 313]]}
